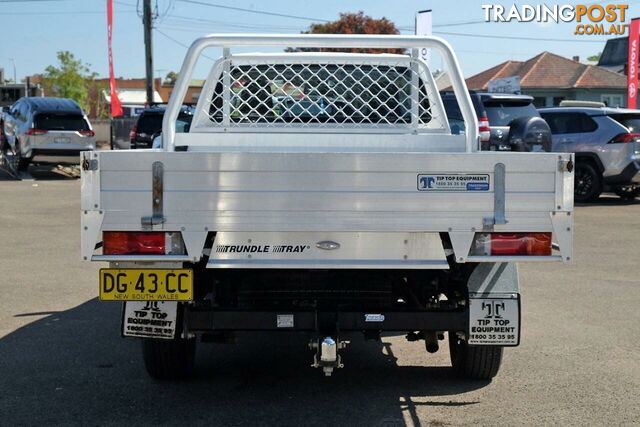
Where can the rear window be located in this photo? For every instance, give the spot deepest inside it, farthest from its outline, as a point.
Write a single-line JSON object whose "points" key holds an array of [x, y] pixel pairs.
{"points": [[452, 108], [630, 121], [61, 122], [562, 123], [501, 113], [152, 123]]}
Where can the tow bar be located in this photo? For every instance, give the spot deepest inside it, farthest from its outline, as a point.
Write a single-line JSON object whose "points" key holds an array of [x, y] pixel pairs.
{"points": [[326, 355]]}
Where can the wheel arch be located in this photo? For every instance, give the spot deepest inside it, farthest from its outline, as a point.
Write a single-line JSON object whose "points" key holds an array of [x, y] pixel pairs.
{"points": [[592, 158]]}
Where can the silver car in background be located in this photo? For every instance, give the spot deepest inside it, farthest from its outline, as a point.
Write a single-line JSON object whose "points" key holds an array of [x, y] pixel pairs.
{"points": [[47, 130], [606, 143]]}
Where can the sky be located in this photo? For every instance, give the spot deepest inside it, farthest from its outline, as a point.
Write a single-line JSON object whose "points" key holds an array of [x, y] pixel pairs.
{"points": [[32, 31]]}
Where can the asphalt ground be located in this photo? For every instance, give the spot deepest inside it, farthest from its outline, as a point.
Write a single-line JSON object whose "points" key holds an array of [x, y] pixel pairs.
{"points": [[62, 360]]}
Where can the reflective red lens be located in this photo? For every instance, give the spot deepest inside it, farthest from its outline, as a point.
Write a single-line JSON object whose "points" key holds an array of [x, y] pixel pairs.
{"points": [[87, 132], [36, 132], [521, 244], [133, 243]]}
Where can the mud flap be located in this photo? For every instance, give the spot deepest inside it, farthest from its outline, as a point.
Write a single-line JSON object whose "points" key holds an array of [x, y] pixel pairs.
{"points": [[494, 305]]}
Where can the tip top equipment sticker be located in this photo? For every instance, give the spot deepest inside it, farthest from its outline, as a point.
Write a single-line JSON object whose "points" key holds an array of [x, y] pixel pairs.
{"points": [[453, 182]]}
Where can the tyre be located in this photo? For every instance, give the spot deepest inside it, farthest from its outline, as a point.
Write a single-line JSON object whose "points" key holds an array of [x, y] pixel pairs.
{"points": [[21, 163], [169, 359], [474, 362], [4, 145], [627, 192], [588, 183]]}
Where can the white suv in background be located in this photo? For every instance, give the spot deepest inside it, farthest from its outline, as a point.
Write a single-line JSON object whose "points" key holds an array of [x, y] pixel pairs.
{"points": [[47, 130], [606, 143]]}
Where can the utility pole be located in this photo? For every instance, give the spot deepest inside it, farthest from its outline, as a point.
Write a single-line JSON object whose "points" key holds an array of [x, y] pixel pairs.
{"points": [[147, 20], [15, 76]]}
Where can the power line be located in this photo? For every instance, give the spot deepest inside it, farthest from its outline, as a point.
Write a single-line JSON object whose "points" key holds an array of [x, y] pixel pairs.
{"points": [[124, 4], [488, 36], [455, 24], [210, 21], [27, 1], [221, 30], [179, 42], [84, 12], [260, 12], [206, 23]]}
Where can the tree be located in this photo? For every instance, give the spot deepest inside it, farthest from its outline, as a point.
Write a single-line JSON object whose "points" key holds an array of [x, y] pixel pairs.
{"points": [[594, 58], [170, 78], [71, 78], [353, 23]]}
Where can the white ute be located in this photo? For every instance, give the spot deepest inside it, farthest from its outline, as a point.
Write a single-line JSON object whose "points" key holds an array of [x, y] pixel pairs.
{"points": [[324, 193]]}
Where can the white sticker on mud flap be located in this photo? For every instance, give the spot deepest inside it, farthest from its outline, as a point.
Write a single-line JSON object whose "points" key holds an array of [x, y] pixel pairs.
{"points": [[453, 182], [149, 319], [494, 321]]}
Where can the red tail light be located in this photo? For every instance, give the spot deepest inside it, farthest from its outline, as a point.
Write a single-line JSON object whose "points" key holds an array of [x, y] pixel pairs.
{"points": [[87, 132], [484, 129], [133, 243], [625, 137], [142, 243], [133, 132], [527, 244], [37, 131]]}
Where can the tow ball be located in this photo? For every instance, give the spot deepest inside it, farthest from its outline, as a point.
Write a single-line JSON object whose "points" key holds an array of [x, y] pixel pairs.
{"points": [[326, 355]]}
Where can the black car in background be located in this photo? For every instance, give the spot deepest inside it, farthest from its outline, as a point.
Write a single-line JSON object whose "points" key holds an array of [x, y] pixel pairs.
{"points": [[149, 125], [506, 122]]}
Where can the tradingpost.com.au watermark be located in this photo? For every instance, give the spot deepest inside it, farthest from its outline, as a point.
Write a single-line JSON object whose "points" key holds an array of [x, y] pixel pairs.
{"points": [[590, 19]]}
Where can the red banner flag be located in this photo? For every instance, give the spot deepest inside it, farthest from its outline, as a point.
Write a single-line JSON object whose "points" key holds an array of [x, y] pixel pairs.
{"points": [[116, 107], [632, 63]]}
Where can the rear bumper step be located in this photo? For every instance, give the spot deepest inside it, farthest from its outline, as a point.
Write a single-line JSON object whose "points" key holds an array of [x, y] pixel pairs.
{"points": [[248, 320]]}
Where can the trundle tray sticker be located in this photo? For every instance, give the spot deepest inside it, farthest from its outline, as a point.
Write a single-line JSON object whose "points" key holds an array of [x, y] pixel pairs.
{"points": [[149, 319], [453, 182], [494, 321]]}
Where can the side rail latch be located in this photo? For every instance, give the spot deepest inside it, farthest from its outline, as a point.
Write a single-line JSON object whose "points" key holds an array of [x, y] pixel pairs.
{"points": [[157, 190], [498, 199]]}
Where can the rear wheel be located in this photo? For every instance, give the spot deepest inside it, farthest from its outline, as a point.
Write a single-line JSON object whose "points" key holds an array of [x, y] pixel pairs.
{"points": [[588, 183], [627, 192], [474, 362], [21, 163], [4, 145], [169, 359]]}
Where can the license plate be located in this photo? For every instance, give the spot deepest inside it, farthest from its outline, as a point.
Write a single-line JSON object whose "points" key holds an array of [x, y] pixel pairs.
{"points": [[149, 319], [494, 321], [62, 140], [146, 284]]}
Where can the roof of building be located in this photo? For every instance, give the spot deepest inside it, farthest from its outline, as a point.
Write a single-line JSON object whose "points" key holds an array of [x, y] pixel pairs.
{"points": [[548, 70]]}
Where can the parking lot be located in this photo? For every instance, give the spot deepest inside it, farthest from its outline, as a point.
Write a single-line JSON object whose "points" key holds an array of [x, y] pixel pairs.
{"points": [[62, 360]]}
